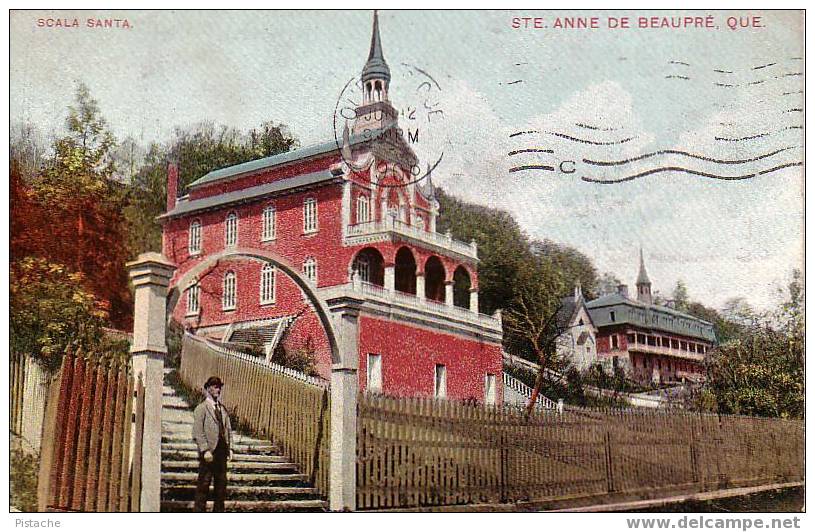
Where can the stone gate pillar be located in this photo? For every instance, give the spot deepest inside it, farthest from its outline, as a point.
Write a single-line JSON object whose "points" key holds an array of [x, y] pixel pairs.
{"points": [[150, 275], [344, 390]]}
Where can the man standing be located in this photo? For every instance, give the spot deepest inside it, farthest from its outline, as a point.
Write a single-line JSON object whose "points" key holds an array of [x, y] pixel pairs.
{"points": [[212, 433]]}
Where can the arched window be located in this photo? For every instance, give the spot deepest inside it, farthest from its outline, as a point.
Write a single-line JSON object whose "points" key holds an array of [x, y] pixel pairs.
{"points": [[310, 269], [363, 210], [369, 265], [230, 290], [267, 284], [269, 223], [193, 294], [195, 237], [310, 215], [231, 229]]}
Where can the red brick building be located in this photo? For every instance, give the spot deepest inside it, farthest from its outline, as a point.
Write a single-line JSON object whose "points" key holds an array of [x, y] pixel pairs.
{"points": [[652, 343], [352, 217]]}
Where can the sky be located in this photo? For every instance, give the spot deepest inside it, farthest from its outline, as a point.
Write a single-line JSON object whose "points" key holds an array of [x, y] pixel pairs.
{"points": [[675, 109]]}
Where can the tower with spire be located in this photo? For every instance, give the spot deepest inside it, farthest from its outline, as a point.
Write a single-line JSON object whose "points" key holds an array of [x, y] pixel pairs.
{"points": [[376, 111], [643, 283]]}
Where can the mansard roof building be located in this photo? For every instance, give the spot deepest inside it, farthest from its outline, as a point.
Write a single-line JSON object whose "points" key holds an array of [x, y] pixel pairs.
{"points": [[651, 342], [354, 221]]}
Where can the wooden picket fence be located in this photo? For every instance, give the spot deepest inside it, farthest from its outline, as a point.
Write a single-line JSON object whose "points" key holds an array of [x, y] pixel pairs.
{"points": [[91, 452], [289, 408], [423, 452], [28, 395]]}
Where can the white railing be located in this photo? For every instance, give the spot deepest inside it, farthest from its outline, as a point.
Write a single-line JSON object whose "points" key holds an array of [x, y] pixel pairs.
{"points": [[525, 391], [424, 304], [260, 361], [390, 224], [663, 350]]}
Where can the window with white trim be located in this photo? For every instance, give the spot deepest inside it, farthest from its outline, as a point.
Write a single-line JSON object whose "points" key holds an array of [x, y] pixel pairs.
{"points": [[363, 210], [374, 372], [195, 237], [269, 223], [440, 382], [615, 343], [310, 215], [489, 389], [267, 284], [230, 290], [310, 269], [193, 294], [231, 229]]}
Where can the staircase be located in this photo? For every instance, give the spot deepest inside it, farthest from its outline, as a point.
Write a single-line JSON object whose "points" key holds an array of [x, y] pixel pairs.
{"points": [[518, 393], [259, 478]]}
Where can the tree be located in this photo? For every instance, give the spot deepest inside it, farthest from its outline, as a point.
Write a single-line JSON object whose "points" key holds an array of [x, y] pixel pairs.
{"points": [[50, 309], [197, 151], [531, 322], [607, 284], [503, 248], [574, 266], [81, 205], [761, 372], [680, 296]]}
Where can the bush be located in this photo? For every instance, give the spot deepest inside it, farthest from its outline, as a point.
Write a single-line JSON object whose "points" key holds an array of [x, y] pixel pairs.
{"points": [[24, 473], [51, 310]]}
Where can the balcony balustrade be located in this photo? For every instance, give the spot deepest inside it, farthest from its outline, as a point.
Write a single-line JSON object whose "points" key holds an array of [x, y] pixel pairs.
{"points": [[371, 231]]}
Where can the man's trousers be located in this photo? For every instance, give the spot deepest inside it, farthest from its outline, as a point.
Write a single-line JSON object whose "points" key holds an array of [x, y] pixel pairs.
{"points": [[209, 472]]}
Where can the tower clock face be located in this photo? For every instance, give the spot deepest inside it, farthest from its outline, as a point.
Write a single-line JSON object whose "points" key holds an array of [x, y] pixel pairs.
{"points": [[417, 99]]}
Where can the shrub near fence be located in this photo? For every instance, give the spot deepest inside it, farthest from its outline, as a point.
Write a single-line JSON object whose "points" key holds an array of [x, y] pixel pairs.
{"points": [[421, 452], [93, 409], [289, 408]]}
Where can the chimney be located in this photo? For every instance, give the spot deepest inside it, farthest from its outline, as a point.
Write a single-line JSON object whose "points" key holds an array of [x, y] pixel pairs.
{"points": [[578, 291], [172, 185], [622, 289]]}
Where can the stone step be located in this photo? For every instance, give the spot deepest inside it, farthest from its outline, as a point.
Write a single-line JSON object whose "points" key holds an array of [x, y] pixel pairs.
{"points": [[179, 491], [266, 466], [172, 404], [186, 476], [182, 435], [236, 457], [186, 444], [243, 506]]}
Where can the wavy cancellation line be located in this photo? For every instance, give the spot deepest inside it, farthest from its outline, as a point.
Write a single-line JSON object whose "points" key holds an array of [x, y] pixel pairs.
{"points": [[688, 154], [574, 139], [758, 135], [690, 171], [759, 81]]}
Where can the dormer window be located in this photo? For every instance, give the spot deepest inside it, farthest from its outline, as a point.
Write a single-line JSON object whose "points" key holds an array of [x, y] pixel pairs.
{"points": [[612, 316], [231, 229]]}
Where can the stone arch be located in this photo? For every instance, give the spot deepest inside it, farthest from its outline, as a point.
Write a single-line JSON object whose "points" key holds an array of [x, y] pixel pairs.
{"points": [[282, 264], [370, 266], [461, 287], [434, 276], [405, 271]]}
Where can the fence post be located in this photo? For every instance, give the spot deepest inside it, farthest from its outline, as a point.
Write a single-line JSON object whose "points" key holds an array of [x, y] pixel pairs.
{"points": [[150, 275], [344, 390]]}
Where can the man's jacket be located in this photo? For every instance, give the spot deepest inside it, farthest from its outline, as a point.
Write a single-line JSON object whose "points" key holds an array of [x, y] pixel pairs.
{"points": [[205, 426]]}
